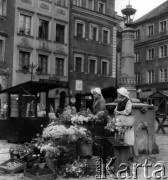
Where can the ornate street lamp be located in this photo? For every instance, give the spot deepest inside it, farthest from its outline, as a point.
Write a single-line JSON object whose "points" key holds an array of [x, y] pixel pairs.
{"points": [[32, 66], [128, 14]]}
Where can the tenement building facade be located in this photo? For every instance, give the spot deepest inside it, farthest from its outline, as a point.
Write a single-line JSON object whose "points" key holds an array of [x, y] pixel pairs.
{"points": [[92, 46], [38, 41], [151, 50]]}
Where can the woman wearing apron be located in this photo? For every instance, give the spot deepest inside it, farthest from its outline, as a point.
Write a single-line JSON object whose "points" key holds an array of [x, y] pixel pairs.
{"points": [[124, 108]]}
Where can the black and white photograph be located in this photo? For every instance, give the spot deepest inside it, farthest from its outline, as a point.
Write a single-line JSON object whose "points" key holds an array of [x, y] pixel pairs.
{"points": [[83, 89]]}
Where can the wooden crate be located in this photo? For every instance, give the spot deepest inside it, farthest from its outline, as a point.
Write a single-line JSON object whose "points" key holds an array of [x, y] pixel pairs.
{"points": [[13, 165]]}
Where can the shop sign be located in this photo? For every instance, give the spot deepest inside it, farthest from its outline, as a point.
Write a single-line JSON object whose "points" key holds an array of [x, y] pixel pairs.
{"points": [[79, 85]]}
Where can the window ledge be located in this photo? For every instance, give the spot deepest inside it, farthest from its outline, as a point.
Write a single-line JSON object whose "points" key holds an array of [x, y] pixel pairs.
{"points": [[42, 39], [28, 36], [60, 43]]}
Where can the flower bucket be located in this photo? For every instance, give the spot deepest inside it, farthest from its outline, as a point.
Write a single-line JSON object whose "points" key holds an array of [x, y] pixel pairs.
{"points": [[84, 149], [51, 163]]}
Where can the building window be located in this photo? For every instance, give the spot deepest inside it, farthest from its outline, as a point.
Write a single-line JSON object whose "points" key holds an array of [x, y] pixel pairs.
{"points": [[150, 30], [137, 77], [3, 5], [79, 29], [106, 36], [43, 63], [137, 57], [60, 33], [163, 75], [137, 34], [101, 7], [94, 32], [105, 67], [150, 76], [78, 63], [2, 49], [163, 51], [92, 65], [150, 54], [163, 25], [25, 24], [61, 3], [43, 29], [59, 66], [90, 4], [24, 59], [77, 3]]}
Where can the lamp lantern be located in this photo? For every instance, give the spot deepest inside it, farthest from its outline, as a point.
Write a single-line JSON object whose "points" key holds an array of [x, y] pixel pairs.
{"points": [[128, 14]]}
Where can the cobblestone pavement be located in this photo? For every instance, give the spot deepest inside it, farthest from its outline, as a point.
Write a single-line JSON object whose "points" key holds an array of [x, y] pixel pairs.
{"points": [[161, 140]]}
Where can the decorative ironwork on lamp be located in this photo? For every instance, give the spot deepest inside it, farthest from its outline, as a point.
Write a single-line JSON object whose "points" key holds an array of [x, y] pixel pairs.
{"points": [[32, 66]]}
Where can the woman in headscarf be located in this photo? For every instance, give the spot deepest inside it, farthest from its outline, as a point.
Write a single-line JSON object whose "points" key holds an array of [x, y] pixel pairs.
{"points": [[124, 109], [99, 102]]}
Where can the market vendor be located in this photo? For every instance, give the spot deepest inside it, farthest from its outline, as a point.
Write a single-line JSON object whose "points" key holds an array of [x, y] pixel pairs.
{"points": [[99, 102], [124, 109]]}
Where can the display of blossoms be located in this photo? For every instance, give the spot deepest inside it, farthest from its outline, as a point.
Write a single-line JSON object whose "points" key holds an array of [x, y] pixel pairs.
{"points": [[71, 134], [101, 118]]}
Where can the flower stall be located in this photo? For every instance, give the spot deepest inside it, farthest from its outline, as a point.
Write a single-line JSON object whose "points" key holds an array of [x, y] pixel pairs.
{"points": [[68, 143], [24, 111]]}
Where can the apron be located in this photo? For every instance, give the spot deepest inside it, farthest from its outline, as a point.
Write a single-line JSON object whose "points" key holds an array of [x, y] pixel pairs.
{"points": [[129, 136]]}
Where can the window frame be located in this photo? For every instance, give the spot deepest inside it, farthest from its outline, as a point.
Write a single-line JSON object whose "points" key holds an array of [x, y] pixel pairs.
{"points": [[64, 73], [49, 33], [31, 20], [137, 77], [137, 34], [62, 3], [4, 8], [150, 56], [96, 60], [77, 21], [3, 39], [161, 78], [152, 77], [137, 56], [107, 67], [41, 54], [162, 53], [91, 25], [29, 61], [76, 55], [108, 36], [104, 5], [161, 30], [87, 5], [77, 3], [149, 31]]}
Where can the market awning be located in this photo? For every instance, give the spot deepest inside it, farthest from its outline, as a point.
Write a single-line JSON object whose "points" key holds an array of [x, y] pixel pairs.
{"points": [[34, 87], [145, 94]]}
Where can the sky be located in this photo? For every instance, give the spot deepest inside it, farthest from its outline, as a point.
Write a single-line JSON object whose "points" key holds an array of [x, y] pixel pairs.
{"points": [[142, 6]]}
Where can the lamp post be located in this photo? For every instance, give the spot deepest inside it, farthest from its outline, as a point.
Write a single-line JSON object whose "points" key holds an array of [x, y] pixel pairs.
{"points": [[127, 78], [31, 66], [25, 69]]}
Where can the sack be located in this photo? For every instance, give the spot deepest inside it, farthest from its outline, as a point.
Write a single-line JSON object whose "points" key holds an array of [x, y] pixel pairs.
{"points": [[126, 120]]}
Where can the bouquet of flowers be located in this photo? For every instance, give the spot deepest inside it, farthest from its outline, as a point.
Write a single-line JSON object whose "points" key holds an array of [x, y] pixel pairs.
{"points": [[81, 118], [101, 118], [111, 126], [65, 117], [53, 151], [77, 168]]}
